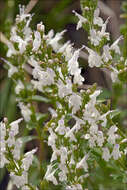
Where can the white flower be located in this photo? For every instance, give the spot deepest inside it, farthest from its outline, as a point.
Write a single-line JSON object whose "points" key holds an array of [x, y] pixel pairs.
{"points": [[12, 70], [83, 163], [16, 150], [11, 50], [116, 153], [73, 63], [81, 21], [49, 76], [11, 140], [78, 79], [75, 102], [106, 154], [72, 160], [54, 42], [19, 87], [27, 160], [3, 159], [14, 130], [49, 176], [61, 128], [94, 96], [106, 53], [104, 119], [63, 154], [93, 129], [19, 181], [49, 36], [102, 33], [64, 89], [52, 139], [62, 176], [111, 134], [97, 20], [94, 59], [37, 41], [2, 130], [63, 47], [115, 46], [15, 38], [26, 112], [68, 52], [53, 112], [100, 138], [54, 155], [92, 140], [45, 77], [94, 37], [114, 75], [22, 14], [41, 27]]}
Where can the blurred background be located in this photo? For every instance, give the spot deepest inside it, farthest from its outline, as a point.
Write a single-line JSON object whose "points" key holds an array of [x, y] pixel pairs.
{"points": [[57, 15]]}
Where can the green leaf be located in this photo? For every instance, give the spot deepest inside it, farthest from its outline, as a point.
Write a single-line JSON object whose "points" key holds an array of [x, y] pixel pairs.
{"points": [[114, 113], [28, 138], [40, 99]]}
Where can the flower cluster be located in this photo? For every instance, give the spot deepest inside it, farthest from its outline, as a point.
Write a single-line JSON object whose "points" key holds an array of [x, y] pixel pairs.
{"points": [[102, 53], [10, 154]]}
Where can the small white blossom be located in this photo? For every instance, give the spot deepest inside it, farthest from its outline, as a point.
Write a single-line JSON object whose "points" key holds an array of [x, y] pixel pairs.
{"points": [[16, 150], [11, 50], [68, 52], [22, 14], [19, 87], [19, 181], [3, 159], [100, 138], [111, 134], [52, 139], [103, 32], [40, 27], [37, 41], [61, 128], [54, 42], [81, 21], [106, 53], [115, 46], [63, 154], [2, 130], [64, 89], [63, 47], [62, 176], [49, 176], [116, 153], [28, 158], [26, 112], [75, 102], [12, 70], [106, 154], [14, 130], [97, 20], [73, 63], [114, 75], [83, 163], [78, 79], [94, 59], [94, 37]]}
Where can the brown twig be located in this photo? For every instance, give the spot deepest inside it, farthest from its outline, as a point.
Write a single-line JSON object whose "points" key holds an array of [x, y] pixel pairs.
{"points": [[30, 6]]}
